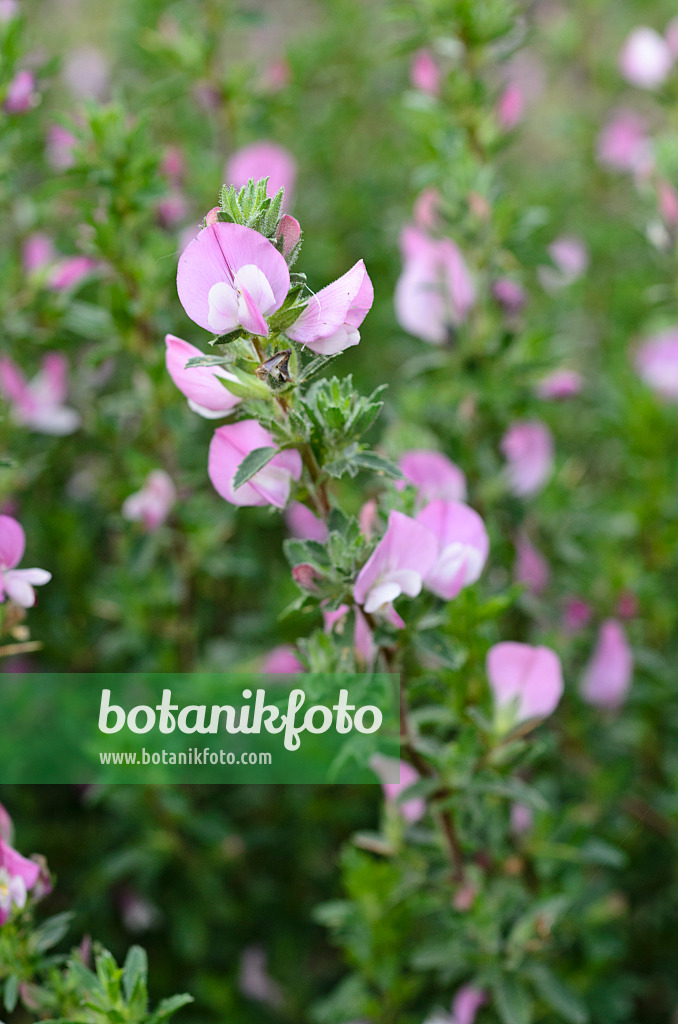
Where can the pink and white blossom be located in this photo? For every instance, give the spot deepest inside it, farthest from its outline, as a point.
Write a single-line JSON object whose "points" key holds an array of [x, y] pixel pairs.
{"points": [[398, 564], [153, 503], [230, 276], [330, 321], [607, 676], [264, 159], [529, 451], [425, 73], [463, 546], [17, 876], [200, 384], [624, 145], [39, 404], [645, 59], [17, 584], [435, 291], [433, 475], [657, 363], [271, 485], [560, 384], [526, 681], [531, 568]]}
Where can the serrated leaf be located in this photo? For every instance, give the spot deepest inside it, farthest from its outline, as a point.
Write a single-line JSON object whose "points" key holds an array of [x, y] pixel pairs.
{"points": [[251, 464]]}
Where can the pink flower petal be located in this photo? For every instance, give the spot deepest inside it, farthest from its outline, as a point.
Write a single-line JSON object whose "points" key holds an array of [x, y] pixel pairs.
{"points": [[342, 304], [398, 564], [12, 542], [433, 474], [264, 160], [608, 675], [271, 485], [463, 546], [200, 384], [531, 676]]}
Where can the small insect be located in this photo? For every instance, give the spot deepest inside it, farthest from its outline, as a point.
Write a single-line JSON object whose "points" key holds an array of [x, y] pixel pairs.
{"points": [[278, 367]]}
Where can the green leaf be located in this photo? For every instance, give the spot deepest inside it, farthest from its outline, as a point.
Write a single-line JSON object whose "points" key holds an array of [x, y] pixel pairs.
{"points": [[251, 464], [11, 993], [378, 464], [51, 931], [443, 650], [206, 361], [560, 998], [169, 1006], [135, 969], [512, 1001]]}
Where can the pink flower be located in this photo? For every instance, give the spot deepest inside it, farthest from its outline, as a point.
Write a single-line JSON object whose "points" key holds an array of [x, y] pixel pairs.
{"points": [[39, 404], [398, 564], [384, 767], [433, 474], [289, 230], [646, 58], [511, 107], [368, 518], [21, 95], [17, 876], [607, 677], [173, 164], [330, 322], [668, 204], [302, 523], [230, 276], [6, 827], [426, 209], [9, 9], [466, 1004], [560, 384], [657, 363], [172, 209], [425, 73], [363, 642], [435, 291], [264, 160], [37, 252], [522, 819], [282, 660], [623, 144], [509, 294], [576, 616], [17, 584], [200, 384], [277, 75], [153, 503], [671, 36], [531, 568], [69, 272], [271, 485], [87, 73], [570, 257], [528, 448], [463, 547], [60, 146], [525, 680], [627, 605], [254, 980]]}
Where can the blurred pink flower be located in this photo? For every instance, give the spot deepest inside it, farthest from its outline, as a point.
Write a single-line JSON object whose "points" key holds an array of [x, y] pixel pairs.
{"points": [[60, 145], [21, 95], [426, 209], [668, 204], [398, 564], [277, 75], [230, 276], [607, 677], [435, 290], [623, 144], [561, 383], [529, 676], [570, 257], [522, 819], [671, 36], [531, 568], [271, 485], [264, 160], [173, 165], [37, 252], [645, 59], [528, 448], [6, 827], [433, 475], [330, 322], [254, 980], [384, 768], [17, 584], [304, 524], [577, 615], [657, 363], [282, 660], [363, 642], [509, 294], [17, 876], [511, 107], [153, 503], [86, 72], [466, 1004], [463, 547], [9, 9], [425, 73], [200, 384], [627, 605], [172, 209], [368, 518], [39, 404], [69, 272], [138, 913]]}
